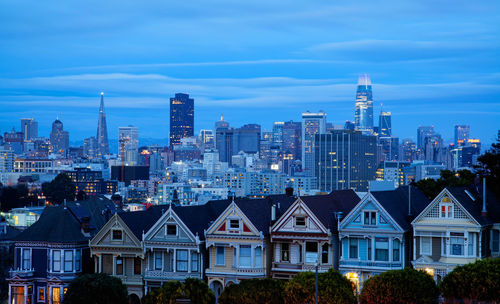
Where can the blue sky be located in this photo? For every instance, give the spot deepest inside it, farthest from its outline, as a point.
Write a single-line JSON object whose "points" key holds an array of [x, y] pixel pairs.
{"points": [[431, 62]]}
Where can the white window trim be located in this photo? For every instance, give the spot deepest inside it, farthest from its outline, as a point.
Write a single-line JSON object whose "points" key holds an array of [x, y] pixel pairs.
{"points": [[223, 254], [448, 205], [30, 262], [422, 247], [295, 222], [229, 224], [376, 217], [44, 294]]}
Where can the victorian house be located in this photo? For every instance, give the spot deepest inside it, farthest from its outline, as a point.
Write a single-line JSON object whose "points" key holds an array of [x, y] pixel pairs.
{"points": [[306, 235], [237, 243], [376, 235], [55, 250], [117, 248], [458, 227]]}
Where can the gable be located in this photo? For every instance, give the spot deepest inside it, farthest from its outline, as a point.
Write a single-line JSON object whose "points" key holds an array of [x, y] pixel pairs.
{"points": [[170, 228], [369, 215], [233, 222], [445, 209], [115, 233], [299, 218]]}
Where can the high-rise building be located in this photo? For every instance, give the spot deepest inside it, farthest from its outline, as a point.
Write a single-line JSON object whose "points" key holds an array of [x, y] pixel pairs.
{"points": [[181, 118], [390, 147], [462, 134], [102, 131], [278, 132], [292, 138], [407, 150], [29, 127], [207, 139], [345, 160], [59, 139], [384, 123], [312, 124], [129, 136], [14, 140], [364, 105], [90, 147], [349, 125], [247, 139], [224, 143], [422, 133]]}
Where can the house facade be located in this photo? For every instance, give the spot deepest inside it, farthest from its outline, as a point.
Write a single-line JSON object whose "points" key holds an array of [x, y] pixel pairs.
{"points": [[376, 235], [458, 227]]}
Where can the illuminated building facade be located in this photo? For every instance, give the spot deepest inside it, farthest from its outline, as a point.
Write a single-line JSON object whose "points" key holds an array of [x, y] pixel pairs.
{"points": [[102, 131], [181, 118], [364, 105], [312, 124]]}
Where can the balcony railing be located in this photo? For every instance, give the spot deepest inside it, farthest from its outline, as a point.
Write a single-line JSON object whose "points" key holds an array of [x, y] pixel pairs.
{"points": [[381, 264], [130, 279], [22, 273], [299, 267], [168, 275], [248, 270]]}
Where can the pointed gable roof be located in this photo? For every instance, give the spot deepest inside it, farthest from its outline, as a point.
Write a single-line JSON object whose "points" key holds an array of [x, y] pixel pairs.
{"points": [[139, 221], [395, 202], [473, 203]]}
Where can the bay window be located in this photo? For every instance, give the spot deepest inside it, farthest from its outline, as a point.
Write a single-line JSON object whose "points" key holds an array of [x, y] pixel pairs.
{"points": [[457, 243], [245, 256], [381, 249], [181, 260], [396, 250], [56, 261], [194, 261], [68, 260], [26, 259], [311, 252], [258, 257], [158, 260], [425, 245], [220, 256], [353, 248]]}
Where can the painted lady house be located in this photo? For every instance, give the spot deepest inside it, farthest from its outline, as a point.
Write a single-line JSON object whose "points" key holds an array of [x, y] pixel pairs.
{"points": [[376, 235]]}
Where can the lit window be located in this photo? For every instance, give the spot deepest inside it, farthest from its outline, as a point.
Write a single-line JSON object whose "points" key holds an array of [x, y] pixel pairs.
{"points": [[446, 210], [285, 252]]}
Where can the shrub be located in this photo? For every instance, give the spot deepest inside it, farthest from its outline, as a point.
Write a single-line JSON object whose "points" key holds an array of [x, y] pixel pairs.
{"points": [[264, 291], [96, 288]]}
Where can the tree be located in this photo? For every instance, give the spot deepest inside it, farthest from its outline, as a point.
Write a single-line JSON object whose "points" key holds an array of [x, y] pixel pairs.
{"points": [[15, 197], [195, 290], [400, 286], [431, 187], [265, 291], [477, 282], [489, 167], [98, 288], [333, 288], [59, 189]]}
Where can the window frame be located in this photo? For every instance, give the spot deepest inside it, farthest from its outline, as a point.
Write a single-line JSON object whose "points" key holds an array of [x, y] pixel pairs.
{"points": [[158, 257], [369, 218], [26, 259], [220, 252], [245, 261], [325, 253], [137, 263], [78, 260], [181, 262], [448, 209], [285, 253], [379, 250], [117, 231], [168, 227], [43, 293], [353, 243], [54, 260], [257, 257], [396, 250], [68, 261], [119, 261], [195, 260], [428, 253], [300, 225], [231, 221]]}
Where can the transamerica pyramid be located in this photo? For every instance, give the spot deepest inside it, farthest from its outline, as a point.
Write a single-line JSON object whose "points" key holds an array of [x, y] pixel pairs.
{"points": [[102, 131]]}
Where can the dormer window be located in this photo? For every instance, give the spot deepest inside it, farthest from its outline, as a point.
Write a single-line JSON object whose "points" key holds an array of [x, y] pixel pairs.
{"points": [[172, 230], [234, 224], [370, 218], [300, 221], [446, 210], [117, 235]]}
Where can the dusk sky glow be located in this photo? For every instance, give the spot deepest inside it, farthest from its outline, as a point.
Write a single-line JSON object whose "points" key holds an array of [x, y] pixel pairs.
{"points": [[431, 62]]}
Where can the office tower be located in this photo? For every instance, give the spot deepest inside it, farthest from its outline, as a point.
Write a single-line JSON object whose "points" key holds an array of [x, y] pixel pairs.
{"points": [[385, 125], [6, 160], [59, 139], [29, 127], [224, 143], [364, 105], [345, 160], [207, 139], [349, 125], [292, 138], [390, 147], [462, 134], [422, 133], [181, 118], [90, 147], [312, 124], [14, 140], [393, 171], [247, 139], [128, 143], [102, 131], [407, 150], [434, 150], [278, 132]]}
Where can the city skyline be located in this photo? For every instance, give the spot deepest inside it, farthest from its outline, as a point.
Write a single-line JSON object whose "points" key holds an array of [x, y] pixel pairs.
{"points": [[439, 66]]}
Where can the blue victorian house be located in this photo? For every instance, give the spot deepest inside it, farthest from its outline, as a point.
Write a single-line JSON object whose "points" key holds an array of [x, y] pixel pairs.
{"points": [[55, 250], [376, 234]]}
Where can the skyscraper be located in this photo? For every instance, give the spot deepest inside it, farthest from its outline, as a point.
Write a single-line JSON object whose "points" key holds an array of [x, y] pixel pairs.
{"points": [[278, 133], [462, 134], [181, 118], [422, 133], [345, 160], [364, 105], [102, 131], [384, 123], [130, 137], [59, 139], [292, 137], [90, 147], [29, 127], [312, 124]]}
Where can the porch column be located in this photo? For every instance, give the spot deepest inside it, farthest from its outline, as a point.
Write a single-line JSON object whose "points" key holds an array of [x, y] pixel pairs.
{"points": [[114, 264], [391, 240], [100, 263], [175, 260], [415, 247]]}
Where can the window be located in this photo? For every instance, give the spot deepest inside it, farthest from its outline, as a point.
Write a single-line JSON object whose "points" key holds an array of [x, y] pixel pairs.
{"points": [[137, 265], [457, 243], [311, 252], [182, 260], [234, 224], [41, 294], [258, 257], [171, 230], [446, 210], [68, 260], [235, 258], [381, 249], [324, 254], [300, 253], [395, 250], [300, 221], [194, 261], [370, 218], [17, 294], [26, 259], [425, 245], [245, 256], [56, 295], [353, 248], [471, 241], [117, 235], [495, 240], [78, 260], [158, 260], [369, 241], [119, 266], [285, 252], [220, 258], [56, 261]]}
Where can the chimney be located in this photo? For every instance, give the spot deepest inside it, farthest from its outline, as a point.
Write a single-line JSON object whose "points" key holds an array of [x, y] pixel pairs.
{"points": [[273, 213], [484, 212]]}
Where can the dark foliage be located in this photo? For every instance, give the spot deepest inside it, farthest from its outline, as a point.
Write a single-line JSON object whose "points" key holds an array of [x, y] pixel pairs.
{"points": [[431, 187], [96, 288], [195, 290], [16, 197], [59, 189], [265, 291], [400, 287], [489, 167]]}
